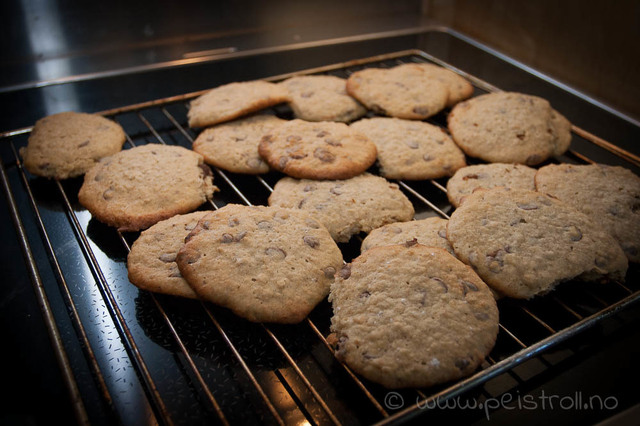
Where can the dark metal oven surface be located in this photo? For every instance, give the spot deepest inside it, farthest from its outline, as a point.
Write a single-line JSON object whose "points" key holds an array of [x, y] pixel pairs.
{"points": [[133, 357]]}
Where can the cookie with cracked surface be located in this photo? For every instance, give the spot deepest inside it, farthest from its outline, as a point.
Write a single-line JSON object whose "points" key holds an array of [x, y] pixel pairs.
{"points": [[404, 91], [137, 187], [322, 150], [608, 195], [411, 150], [233, 146], [345, 207], [467, 179], [322, 98], [151, 263], [459, 87], [266, 264], [411, 316], [233, 100], [508, 127], [430, 232], [68, 144], [523, 243]]}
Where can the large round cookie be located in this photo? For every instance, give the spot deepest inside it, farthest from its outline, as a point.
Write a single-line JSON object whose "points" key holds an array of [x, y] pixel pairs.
{"points": [[411, 150], [523, 243], [459, 88], [151, 263], [324, 150], [322, 98], [68, 144], [266, 264], [468, 179], [412, 316], [233, 146], [430, 232], [608, 195], [404, 91], [507, 127], [234, 100], [345, 207], [138, 187]]}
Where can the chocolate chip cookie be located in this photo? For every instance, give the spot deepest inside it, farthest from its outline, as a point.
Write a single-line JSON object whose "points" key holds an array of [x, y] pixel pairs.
{"points": [[151, 263], [266, 264], [469, 178], [411, 316], [404, 91], [234, 100], [324, 150], [67, 144], [430, 232], [507, 127], [523, 243], [608, 195], [346, 207], [412, 150], [233, 146], [137, 187], [322, 98]]}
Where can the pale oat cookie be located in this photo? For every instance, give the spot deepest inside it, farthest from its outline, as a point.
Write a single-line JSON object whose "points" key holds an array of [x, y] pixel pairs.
{"points": [[138, 187], [151, 263], [266, 264], [322, 98], [345, 207], [234, 100], [523, 243], [609, 196], [411, 316], [233, 146], [323, 150], [67, 144], [459, 88], [411, 150], [404, 91], [469, 178], [507, 127], [430, 232]]}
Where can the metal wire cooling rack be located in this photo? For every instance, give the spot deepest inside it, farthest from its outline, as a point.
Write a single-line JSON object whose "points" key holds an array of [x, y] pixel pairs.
{"points": [[153, 358]]}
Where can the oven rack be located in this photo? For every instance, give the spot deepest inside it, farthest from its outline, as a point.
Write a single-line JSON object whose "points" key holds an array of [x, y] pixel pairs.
{"points": [[191, 362]]}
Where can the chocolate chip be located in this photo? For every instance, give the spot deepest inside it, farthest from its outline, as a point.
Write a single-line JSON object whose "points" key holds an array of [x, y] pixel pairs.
{"points": [[517, 221], [495, 260], [573, 232], [462, 363], [83, 144], [365, 295], [345, 272], [336, 190], [527, 206], [240, 137], [411, 243], [240, 236], [471, 176], [226, 238], [205, 224], [264, 224], [312, 223], [601, 262], [481, 316], [234, 221], [332, 142], [442, 233], [427, 157], [412, 144], [254, 163], [442, 284], [521, 135], [322, 134], [282, 162], [108, 194], [206, 170], [324, 155], [421, 110], [365, 355], [467, 286], [167, 257], [301, 203], [310, 187], [275, 252], [340, 347], [311, 241], [329, 271], [210, 138]]}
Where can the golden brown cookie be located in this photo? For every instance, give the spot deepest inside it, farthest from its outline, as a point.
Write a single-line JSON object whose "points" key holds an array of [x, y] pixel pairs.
{"points": [[523, 243], [412, 150], [234, 100], [324, 150], [138, 187], [266, 264], [68, 144], [412, 316], [404, 91]]}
